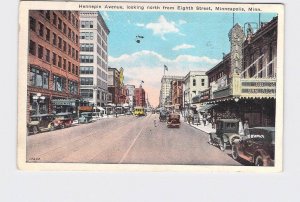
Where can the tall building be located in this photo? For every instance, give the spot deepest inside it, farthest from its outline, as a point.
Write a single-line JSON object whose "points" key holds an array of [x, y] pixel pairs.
{"points": [[53, 61], [177, 94], [140, 99], [130, 98], [114, 84], [93, 58], [166, 91]]}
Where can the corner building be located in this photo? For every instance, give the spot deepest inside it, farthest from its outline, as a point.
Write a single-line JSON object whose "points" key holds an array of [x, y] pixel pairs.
{"points": [[93, 58], [53, 61]]}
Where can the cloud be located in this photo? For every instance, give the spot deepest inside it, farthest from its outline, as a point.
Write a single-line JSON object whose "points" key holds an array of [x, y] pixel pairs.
{"points": [[105, 15], [148, 66], [183, 46], [182, 22], [162, 27], [140, 24]]}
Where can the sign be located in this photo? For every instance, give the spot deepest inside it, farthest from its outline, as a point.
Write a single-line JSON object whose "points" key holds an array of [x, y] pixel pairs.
{"points": [[86, 108]]}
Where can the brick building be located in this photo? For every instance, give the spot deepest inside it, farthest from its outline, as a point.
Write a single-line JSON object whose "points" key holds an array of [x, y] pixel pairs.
{"points": [[140, 99], [53, 61], [177, 93]]}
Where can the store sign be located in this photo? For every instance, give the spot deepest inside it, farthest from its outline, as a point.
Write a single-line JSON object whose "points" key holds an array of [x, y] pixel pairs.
{"points": [[86, 108]]}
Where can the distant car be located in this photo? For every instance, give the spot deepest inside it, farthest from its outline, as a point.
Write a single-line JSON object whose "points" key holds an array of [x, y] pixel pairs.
{"points": [[41, 122], [227, 130], [63, 120], [85, 117], [173, 120], [257, 146], [163, 116]]}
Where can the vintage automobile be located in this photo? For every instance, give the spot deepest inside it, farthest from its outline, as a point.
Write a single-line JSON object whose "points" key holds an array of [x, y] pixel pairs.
{"points": [[63, 120], [163, 115], [173, 120], [257, 146], [40, 122], [85, 117], [227, 130]]}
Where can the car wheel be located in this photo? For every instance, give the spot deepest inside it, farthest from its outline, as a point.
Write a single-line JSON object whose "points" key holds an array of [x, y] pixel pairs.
{"points": [[259, 161], [35, 130], [234, 152], [62, 126], [222, 145]]}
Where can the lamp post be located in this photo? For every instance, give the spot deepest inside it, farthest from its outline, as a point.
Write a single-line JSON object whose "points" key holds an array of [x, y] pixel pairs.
{"points": [[38, 98]]}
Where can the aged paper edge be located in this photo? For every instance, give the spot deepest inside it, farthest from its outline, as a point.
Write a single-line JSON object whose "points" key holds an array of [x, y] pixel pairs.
{"points": [[25, 6]]}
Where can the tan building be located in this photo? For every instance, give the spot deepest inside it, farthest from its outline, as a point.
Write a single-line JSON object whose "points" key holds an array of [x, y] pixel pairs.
{"points": [[53, 61]]}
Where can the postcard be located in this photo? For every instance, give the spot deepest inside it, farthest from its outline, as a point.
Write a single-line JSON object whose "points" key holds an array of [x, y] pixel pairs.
{"points": [[147, 86]]}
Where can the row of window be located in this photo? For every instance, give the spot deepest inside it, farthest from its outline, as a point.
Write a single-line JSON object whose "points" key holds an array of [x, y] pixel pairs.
{"points": [[56, 40], [86, 58], [44, 31], [39, 78], [86, 70], [87, 35], [202, 82], [87, 47], [88, 81], [45, 54], [87, 24]]}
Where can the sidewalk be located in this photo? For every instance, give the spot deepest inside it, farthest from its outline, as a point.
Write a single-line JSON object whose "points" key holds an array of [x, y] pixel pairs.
{"points": [[207, 129]]}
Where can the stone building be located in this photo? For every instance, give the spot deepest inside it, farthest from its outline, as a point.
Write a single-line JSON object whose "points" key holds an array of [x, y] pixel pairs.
{"points": [[53, 61], [166, 90], [93, 58]]}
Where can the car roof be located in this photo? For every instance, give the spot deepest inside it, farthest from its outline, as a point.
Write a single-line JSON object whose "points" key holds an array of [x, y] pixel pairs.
{"points": [[63, 113], [272, 129], [228, 120], [41, 115]]}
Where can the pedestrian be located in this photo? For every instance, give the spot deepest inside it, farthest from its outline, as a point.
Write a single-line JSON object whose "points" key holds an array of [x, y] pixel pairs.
{"points": [[246, 126], [154, 122], [116, 114], [213, 123], [204, 119]]}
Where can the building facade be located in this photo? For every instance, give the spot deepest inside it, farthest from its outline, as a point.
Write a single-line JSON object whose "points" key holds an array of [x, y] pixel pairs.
{"points": [[114, 84], [93, 58], [194, 83], [177, 93], [130, 97], [53, 62], [140, 99], [243, 85], [166, 90]]}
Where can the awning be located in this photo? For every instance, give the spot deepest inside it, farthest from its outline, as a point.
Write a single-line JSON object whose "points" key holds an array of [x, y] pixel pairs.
{"points": [[206, 107]]}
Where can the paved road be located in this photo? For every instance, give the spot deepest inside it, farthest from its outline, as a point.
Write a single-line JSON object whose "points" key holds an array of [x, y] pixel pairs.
{"points": [[127, 140]]}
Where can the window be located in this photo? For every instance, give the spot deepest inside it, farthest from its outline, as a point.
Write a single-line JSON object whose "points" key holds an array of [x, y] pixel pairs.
{"points": [[73, 19], [86, 58], [73, 68], [76, 23], [86, 70], [54, 19], [69, 33], [32, 47], [59, 24], [76, 70], [65, 64], [64, 46], [86, 24], [58, 83], [76, 56], [54, 39], [69, 66], [73, 52], [32, 24], [39, 78], [48, 15], [54, 59], [69, 15], [73, 87], [64, 28], [87, 47], [73, 36], [202, 82], [59, 61], [86, 81], [69, 49], [86, 93], [41, 30], [47, 34], [86, 35], [60, 42], [40, 51], [194, 82], [76, 39], [47, 55]]}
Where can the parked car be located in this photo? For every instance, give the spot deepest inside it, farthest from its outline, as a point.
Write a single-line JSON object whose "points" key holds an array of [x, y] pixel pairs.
{"points": [[85, 117], [257, 146], [63, 120], [173, 120], [227, 130], [163, 116], [41, 122]]}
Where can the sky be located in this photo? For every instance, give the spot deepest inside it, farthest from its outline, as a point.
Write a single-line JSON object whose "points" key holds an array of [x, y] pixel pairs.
{"points": [[181, 41]]}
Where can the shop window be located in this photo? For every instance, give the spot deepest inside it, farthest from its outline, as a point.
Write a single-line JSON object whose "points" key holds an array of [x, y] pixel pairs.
{"points": [[39, 78], [58, 83], [73, 87]]}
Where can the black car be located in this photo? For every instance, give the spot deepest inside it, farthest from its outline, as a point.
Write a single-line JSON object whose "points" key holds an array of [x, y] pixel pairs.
{"points": [[41, 122]]}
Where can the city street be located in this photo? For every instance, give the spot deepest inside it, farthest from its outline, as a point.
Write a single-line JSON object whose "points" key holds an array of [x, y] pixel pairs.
{"points": [[126, 140]]}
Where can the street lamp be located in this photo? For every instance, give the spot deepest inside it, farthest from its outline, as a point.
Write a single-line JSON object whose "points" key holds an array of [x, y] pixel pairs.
{"points": [[38, 98]]}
